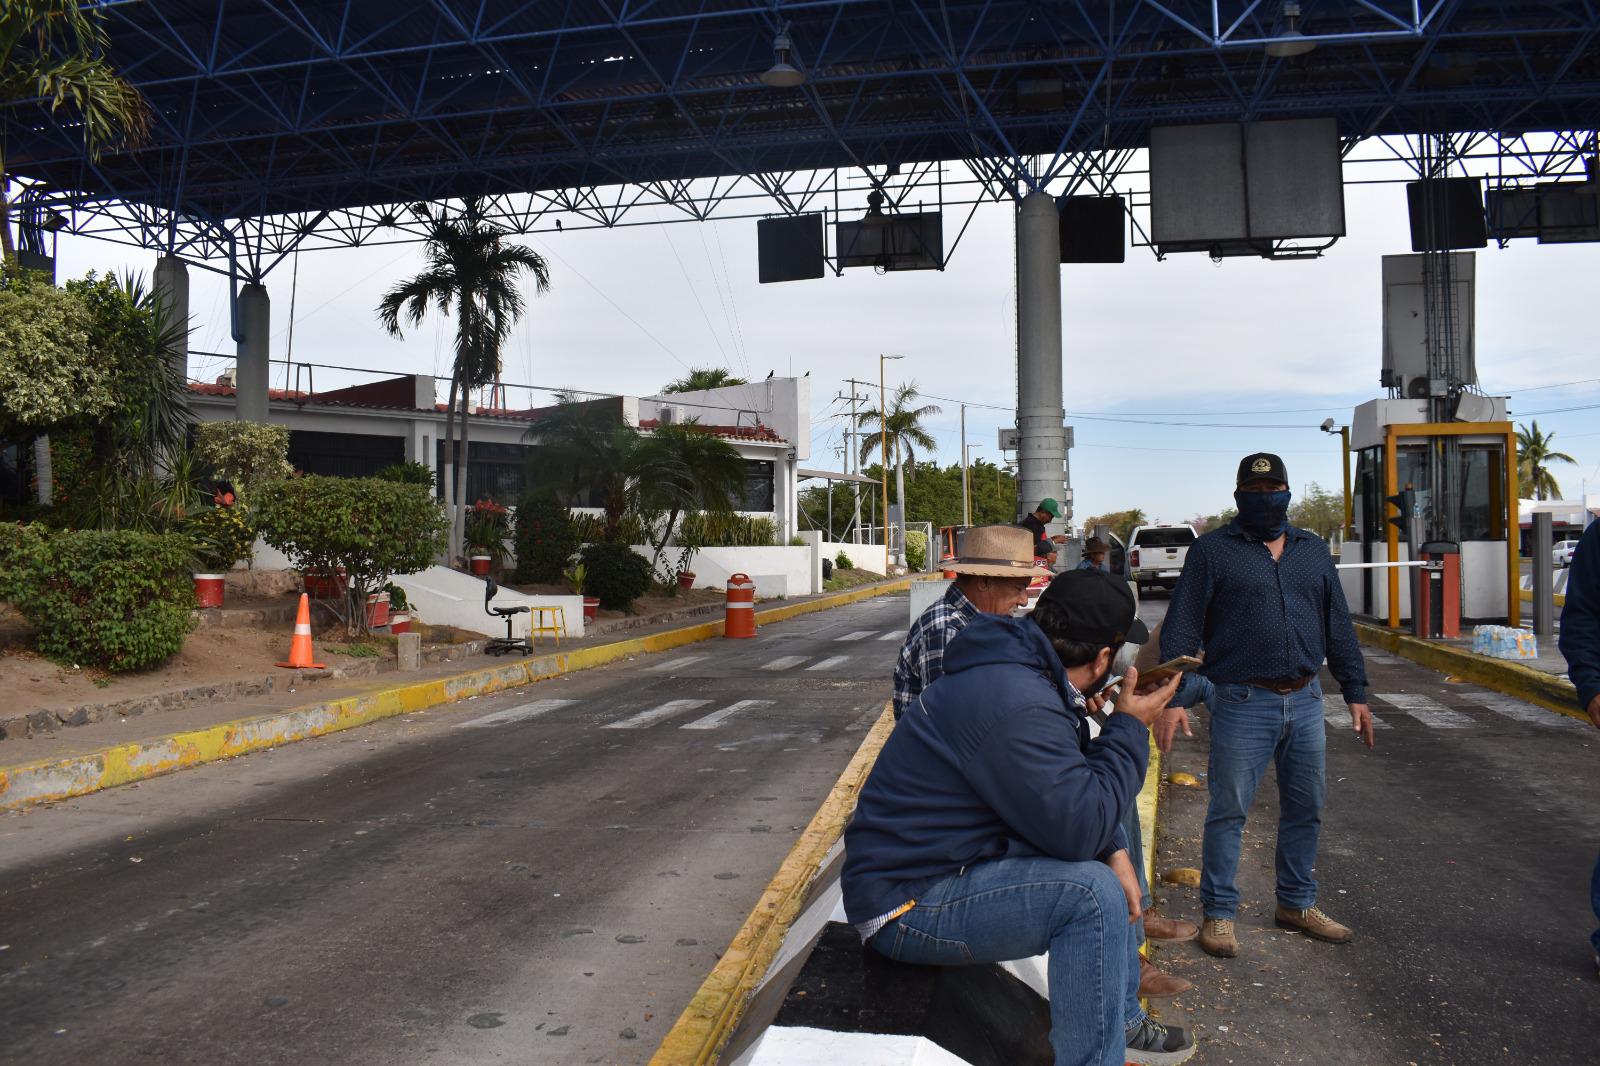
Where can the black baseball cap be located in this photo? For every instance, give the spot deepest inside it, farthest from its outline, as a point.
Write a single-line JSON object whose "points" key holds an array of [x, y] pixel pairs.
{"points": [[1261, 465], [1099, 609]]}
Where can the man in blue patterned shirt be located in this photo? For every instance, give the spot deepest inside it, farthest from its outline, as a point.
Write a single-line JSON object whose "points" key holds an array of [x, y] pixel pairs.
{"points": [[992, 577], [1262, 599]]}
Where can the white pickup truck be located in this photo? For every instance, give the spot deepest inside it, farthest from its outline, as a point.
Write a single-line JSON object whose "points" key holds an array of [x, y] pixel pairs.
{"points": [[1156, 555]]}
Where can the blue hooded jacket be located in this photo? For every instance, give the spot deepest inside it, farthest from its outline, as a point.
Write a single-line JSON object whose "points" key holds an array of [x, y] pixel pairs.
{"points": [[993, 761]]}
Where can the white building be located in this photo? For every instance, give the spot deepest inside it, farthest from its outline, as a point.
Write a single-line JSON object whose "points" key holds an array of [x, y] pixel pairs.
{"points": [[359, 430]]}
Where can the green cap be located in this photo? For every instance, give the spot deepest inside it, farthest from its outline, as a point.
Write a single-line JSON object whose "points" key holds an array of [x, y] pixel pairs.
{"points": [[1049, 504]]}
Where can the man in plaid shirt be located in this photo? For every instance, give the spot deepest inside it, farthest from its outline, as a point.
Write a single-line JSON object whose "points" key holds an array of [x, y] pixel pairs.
{"points": [[992, 577]]}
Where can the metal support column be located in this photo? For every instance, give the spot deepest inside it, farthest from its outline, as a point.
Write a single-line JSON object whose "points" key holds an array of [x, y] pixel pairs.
{"points": [[1544, 609], [255, 323], [172, 283], [1042, 444]]}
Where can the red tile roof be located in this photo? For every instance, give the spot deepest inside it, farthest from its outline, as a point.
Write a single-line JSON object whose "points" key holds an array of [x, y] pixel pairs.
{"points": [[761, 434]]}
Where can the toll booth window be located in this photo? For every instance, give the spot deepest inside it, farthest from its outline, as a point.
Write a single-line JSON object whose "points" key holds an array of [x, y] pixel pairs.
{"points": [[1371, 512], [1483, 503], [758, 485]]}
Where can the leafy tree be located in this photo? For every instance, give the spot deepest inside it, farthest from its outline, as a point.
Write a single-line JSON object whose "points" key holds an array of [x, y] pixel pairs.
{"points": [[49, 372], [53, 51], [248, 455], [933, 494], [1206, 523], [471, 267], [1121, 523], [1318, 510], [1534, 456], [701, 378]]}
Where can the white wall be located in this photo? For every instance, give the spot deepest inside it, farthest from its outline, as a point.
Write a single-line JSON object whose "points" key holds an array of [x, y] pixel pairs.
{"points": [[441, 596], [864, 556], [781, 404], [777, 571]]}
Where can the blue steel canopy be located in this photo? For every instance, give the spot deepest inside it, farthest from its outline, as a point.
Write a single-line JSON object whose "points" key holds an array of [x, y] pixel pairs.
{"points": [[277, 107]]}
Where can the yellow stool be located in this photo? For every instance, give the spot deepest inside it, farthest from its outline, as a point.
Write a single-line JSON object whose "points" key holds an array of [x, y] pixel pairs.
{"points": [[556, 625]]}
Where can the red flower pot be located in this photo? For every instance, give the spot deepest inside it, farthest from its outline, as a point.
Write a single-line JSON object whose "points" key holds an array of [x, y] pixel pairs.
{"points": [[399, 622], [326, 586], [686, 580], [591, 604], [208, 590], [480, 565], [377, 610]]}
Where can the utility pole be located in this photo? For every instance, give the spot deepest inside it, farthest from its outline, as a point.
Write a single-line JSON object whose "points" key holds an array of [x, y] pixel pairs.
{"points": [[854, 435], [966, 499]]}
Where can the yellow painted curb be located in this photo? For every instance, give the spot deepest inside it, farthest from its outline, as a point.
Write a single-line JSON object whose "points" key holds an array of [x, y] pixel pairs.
{"points": [[1512, 678], [1558, 598], [711, 1017], [77, 775], [1149, 807]]}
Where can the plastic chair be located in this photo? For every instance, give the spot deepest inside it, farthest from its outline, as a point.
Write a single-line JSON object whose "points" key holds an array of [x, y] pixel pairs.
{"points": [[508, 643]]}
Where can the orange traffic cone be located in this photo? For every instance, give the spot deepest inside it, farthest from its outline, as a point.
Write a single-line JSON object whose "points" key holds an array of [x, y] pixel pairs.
{"points": [[300, 646]]}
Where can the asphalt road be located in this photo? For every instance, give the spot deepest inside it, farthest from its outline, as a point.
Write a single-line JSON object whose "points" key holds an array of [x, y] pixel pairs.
{"points": [[544, 876], [1459, 849]]}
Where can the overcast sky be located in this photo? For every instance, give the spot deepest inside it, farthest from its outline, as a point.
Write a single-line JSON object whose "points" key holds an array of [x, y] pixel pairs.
{"points": [[1291, 343]]}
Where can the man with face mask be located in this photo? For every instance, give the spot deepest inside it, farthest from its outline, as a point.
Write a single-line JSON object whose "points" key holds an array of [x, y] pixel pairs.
{"points": [[1262, 599]]}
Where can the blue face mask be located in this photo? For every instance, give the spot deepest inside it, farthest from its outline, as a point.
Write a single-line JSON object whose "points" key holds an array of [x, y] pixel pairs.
{"points": [[1263, 515]]}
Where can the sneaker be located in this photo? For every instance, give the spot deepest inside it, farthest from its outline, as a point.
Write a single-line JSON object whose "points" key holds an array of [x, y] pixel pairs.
{"points": [[1313, 923], [1172, 930], [1155, 984], [1216, 938], [1154, 1044]]}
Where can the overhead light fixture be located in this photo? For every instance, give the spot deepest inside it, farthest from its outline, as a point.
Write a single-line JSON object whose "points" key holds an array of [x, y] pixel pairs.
{"points": [[876, 217], [53, 221], [783, 74], [1289, 41]]}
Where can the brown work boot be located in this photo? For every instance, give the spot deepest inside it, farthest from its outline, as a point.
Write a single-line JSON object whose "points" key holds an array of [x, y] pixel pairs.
{"points": [[1172, 930], [1154, 984], [1216, 938], [1313, 923]]}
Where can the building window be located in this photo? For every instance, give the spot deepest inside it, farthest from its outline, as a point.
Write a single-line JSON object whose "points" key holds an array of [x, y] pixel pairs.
{"points": [[758, 485], [343, 454], [493, 470]]}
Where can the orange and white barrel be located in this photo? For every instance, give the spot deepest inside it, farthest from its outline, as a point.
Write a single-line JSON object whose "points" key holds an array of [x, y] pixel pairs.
{"points": [[740, 618]]}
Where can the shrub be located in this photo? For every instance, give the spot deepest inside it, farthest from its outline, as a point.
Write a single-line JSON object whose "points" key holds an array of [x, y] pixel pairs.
{"points": [[843, 562], [116, 599], [545, 538], [616, 574], [222, 536], [371, 528], [249, 454], [916, 549], [487, 525], [712, 530], [407, 474]]}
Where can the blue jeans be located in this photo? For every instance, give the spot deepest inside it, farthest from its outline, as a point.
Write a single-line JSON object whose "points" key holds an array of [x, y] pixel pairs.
{"points": [[1251, 727], [1594, 901], [1018, 908], [1130, 825]]}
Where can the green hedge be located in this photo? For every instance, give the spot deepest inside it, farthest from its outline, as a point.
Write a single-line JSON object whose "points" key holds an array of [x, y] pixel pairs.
{"points": [[117, 599], [916, 549], [616, 574], [545, 538]]}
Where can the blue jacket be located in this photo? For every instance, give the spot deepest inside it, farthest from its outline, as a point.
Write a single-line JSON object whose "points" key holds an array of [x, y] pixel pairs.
{"points": [[993, 761], [1580, 618]]}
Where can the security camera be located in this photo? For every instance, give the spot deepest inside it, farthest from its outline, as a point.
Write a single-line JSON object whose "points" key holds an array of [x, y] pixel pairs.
{"points": [[1327, 425]]}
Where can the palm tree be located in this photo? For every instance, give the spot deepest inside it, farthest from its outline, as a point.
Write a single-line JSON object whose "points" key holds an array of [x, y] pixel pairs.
{"points": [[52, 50], [472, 267], [1533, 456], [681, 468], [903, 428], [701, 378], [584, 450]]}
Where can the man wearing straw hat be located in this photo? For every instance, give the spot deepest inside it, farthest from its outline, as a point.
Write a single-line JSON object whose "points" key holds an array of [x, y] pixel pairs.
{"points": [[992, 576]]}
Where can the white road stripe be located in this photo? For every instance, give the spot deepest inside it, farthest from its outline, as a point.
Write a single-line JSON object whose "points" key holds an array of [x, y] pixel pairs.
{"points": [[515, 714], [857, 635], [1516, 710], [1337, 712], [675, 664], [1428, 711], [656, 714], [830, 662], [1383, 657], [716, 718], [784, 662], [894, 634]]}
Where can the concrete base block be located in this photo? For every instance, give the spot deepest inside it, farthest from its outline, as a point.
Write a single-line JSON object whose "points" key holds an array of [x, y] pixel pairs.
{"points": [[410, 647]]}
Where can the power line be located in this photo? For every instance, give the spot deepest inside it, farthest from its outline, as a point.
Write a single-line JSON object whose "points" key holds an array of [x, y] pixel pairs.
{"points": [[584, 278]]}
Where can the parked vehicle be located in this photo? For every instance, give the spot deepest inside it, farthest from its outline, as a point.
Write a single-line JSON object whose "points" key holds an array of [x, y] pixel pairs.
{"points": [[1561, 554], [1156, 555]]}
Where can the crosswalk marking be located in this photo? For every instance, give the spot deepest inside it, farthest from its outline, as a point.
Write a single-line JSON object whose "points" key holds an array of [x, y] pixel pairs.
{"points": [[1337, 713], [716, 718], [830, 662], [656, 714], [784, 662], [1515, 709], [857, 635], [515, 714], [1429, 712], [894, 634], [676, 664]]}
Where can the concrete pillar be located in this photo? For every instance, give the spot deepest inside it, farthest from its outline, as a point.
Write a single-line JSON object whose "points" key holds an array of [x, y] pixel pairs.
{"points": [[1544, 604], [172, 282], [255, 323], [1042, 445], [409, 649]]}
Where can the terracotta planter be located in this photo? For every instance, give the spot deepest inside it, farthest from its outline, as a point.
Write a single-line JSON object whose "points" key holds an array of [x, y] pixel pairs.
{"points": [[399, 622], [686, 580], [377, 610], [208, 590], [480, 564], [326, 586], [591, 604]]}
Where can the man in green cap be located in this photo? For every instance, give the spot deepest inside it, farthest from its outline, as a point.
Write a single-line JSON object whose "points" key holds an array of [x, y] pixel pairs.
{"points": [[1043, 544]]}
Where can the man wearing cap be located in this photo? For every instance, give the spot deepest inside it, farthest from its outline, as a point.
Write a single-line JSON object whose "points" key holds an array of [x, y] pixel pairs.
{"points": [[1048, 511], [988, 828], [1263, 600], [992, 577], [1094, 555]]}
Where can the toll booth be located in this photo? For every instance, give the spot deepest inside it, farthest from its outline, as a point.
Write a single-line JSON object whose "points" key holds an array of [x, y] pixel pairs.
{"points": [[1470, 577]]}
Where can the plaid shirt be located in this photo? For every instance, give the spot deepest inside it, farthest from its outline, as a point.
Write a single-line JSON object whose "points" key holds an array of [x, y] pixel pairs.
{"points": [[922, 656]]}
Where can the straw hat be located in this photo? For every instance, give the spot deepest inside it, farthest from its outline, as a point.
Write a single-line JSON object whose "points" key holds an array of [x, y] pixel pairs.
{"points": [[994, 551]]}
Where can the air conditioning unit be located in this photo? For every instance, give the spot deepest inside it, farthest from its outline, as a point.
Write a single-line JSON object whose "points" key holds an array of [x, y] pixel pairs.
{"points": [[669, 415], [229, 377]]}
